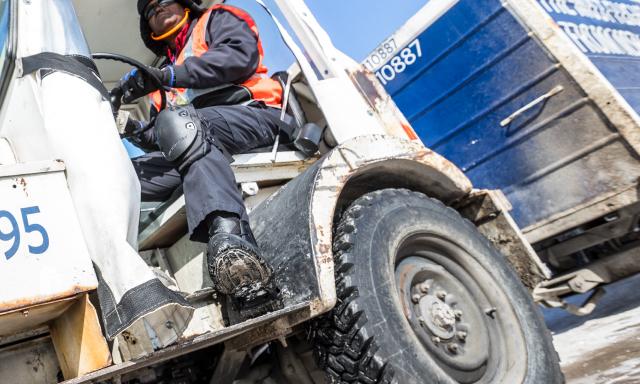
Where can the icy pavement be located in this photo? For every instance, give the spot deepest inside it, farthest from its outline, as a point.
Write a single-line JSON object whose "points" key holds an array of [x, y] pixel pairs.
{"points": [[603, 347]]}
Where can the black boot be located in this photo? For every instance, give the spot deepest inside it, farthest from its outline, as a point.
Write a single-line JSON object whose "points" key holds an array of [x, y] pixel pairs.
{"points": [[236, 267]]}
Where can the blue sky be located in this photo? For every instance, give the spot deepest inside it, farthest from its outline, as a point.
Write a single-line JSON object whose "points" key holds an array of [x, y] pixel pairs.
{"points": [[355, 26]]}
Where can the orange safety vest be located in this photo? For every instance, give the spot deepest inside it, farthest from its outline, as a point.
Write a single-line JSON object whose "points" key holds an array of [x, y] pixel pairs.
{"points": [[259, 86]]}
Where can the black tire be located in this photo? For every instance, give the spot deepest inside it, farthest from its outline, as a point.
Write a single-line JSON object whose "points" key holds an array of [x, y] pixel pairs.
{"points": [[400, 256]]}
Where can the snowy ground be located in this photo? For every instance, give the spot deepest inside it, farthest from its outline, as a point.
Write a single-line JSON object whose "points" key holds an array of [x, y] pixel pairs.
{"points": [[603, 347]]}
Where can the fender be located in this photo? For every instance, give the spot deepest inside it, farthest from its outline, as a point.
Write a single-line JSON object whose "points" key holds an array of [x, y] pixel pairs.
{"points": [[294, 226]]}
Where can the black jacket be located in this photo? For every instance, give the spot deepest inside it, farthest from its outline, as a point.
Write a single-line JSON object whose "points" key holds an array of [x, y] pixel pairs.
{"points": [[233, 57]]}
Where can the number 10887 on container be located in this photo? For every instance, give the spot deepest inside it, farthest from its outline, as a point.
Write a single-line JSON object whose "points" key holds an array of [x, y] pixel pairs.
{"points": [[397, 61]]}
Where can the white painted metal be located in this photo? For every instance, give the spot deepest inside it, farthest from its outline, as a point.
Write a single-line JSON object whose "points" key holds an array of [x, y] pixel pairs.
{"points": [[255, 167], [264, 159], [315, 40], [64, 268], [347, 112], [31, 168], [6, 152], [50, 26]]}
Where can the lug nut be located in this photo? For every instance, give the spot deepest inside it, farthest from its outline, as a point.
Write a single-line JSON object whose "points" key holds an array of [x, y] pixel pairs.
{"points": [[415, 298], [441, 295], [462, 335], [435, 339], [453, 348], [424, 287], [458, 314]]}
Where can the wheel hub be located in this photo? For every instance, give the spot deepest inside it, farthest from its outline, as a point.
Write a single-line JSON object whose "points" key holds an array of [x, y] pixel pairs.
{"points": [[439, 318], [443, 314]]}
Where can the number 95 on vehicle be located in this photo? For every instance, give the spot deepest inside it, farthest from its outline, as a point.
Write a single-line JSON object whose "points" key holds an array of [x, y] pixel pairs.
{"points": [[43, 254], [19, 227], [37, 220]]}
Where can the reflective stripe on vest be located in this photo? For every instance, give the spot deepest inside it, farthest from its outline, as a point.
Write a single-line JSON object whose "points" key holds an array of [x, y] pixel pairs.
{"points": [[260, 86]]}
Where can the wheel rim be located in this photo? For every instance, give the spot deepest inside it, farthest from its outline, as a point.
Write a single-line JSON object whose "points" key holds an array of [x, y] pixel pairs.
{"points": [[451, 314]]}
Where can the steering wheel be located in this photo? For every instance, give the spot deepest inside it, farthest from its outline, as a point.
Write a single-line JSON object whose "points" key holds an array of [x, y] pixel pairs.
{"points": [[116, 97]]}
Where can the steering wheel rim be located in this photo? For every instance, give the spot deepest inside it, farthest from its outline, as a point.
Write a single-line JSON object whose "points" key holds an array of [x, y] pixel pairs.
{"points": [[116, 99]]}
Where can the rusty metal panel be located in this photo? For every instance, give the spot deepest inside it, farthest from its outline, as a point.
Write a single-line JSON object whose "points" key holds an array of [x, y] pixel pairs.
{"points": [[33, 315], [489, 211], [43, 256]]}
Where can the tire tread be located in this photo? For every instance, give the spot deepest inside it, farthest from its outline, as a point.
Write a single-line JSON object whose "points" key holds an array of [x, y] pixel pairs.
{"points": [[344, 345]]}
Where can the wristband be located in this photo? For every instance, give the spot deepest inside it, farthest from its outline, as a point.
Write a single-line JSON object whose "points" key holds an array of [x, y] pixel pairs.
{"points": [[172, 75]]}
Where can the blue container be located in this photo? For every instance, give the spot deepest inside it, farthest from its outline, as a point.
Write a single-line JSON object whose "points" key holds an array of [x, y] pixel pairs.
{"points": [[524, 96]]}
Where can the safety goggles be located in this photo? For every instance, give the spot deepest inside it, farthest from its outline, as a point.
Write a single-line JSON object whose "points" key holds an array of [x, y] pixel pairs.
{"points": [[153, 5]]}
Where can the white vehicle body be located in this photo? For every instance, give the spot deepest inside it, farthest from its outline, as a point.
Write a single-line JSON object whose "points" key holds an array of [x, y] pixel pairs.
{"points": [[89, 203]]}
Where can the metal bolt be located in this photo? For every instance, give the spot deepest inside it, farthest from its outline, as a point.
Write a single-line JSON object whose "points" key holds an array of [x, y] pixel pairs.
{"points": [[25, 313], [424, 287], [462, 335], [453, 348], [458, 314], [169, 324], [435, 339], [441, 295], [415, 298], [421, 320]]}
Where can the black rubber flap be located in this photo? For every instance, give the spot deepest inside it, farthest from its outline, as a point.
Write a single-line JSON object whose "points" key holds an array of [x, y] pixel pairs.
{"points": [[78, 66]]}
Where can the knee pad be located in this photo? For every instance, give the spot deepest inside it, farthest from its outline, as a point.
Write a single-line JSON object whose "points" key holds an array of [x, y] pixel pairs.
{"points": [[181, 136]]}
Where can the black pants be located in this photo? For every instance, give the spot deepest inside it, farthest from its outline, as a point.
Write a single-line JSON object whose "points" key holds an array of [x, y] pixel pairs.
{"points": [[209, 184]]}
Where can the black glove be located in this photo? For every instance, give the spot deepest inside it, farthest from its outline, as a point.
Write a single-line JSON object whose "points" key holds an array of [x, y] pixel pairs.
{"points": [[137, 83], [132, 128]]}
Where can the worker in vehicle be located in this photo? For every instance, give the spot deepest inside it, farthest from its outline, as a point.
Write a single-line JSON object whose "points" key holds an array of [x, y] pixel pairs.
{"points": [[220, 101]]}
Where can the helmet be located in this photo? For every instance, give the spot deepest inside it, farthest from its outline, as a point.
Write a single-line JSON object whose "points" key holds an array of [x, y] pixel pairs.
{"points": [[158, 47]]}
